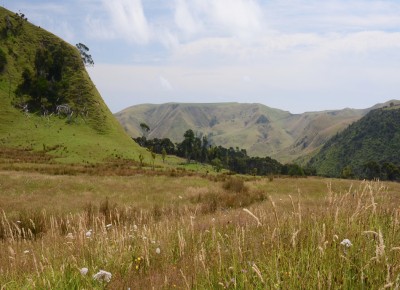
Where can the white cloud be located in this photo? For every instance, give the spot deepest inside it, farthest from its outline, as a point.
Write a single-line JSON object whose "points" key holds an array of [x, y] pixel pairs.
{"points": [[367, 41], [123, 19], [165, 84], [128, 20], [332, 16], [234, 18], [185, 20], [246, 79], [305, 86], [305, 46], [98, 29], [240, 17]]}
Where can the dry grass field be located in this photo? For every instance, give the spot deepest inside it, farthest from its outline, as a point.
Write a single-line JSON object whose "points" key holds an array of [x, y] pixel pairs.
{"points": [[171, 231]]}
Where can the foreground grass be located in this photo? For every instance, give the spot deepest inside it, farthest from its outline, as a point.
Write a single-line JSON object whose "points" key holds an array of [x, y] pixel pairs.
{"points": [[195, 232]]}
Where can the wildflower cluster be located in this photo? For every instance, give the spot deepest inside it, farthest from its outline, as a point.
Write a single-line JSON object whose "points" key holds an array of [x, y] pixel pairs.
{"points": [[346, 243], [102, 276], [138, 262]]}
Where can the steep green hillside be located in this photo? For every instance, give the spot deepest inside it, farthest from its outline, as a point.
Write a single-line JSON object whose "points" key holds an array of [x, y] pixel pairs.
{"points": [[47, 100], [365, 149], [261, 130]]}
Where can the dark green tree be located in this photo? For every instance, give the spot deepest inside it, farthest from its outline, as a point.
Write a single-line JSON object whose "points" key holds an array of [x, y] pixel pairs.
{"points": [[145, 129], [204, 150], [85, 56], [390, 172], [371, 170], [43, 89], [217, 164], [347, 172], [188, 143], [3, 60]]}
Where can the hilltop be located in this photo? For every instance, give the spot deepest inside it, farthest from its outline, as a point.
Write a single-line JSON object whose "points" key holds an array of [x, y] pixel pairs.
{"points": [[48, 102]]}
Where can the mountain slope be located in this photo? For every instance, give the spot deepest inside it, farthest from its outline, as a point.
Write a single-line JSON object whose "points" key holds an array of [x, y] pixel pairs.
{"points": [[373, 140], [257, 128], [47, 100], [227, 124]]}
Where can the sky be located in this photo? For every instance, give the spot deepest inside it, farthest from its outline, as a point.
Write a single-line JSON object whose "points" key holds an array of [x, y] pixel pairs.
{"points": [[295, 55]]}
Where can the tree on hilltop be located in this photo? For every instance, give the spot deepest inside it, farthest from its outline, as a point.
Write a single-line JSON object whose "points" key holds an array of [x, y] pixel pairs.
{"points": [[86, 57]]}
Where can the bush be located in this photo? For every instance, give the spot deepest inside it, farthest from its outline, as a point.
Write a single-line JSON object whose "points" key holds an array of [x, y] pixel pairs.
{"points": [[235, 185], [213, 201]]}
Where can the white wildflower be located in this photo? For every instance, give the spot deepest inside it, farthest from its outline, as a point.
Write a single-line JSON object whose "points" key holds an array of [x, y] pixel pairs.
{"points": [[102, 276], [26, 252], [18, 222], [89, 233], [346, 243], [158, 251], [84, 271]]}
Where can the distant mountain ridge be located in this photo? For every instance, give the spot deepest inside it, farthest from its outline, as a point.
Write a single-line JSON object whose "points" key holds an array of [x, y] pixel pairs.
{"points": [[261, 130]]}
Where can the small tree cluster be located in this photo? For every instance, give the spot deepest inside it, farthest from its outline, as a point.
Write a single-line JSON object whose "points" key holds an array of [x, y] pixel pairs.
{"points": [[42, 89], [14, 24]]}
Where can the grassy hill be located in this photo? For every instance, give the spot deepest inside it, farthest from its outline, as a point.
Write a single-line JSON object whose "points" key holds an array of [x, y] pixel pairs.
{"points": [[38, 73], [364, 148], [257, 128]]}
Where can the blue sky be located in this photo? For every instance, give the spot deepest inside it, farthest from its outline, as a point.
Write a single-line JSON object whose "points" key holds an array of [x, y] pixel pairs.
{"points": [[296, 55]]}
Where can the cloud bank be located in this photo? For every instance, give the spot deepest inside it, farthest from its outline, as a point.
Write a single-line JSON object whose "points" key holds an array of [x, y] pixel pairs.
{"points": [[292, 54]]}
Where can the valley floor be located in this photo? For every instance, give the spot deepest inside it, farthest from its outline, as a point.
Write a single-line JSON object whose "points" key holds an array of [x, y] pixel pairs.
{"points": [[196, 231]]}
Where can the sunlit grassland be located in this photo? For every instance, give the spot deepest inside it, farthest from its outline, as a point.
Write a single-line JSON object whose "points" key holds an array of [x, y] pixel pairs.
{"points": [[287, 238]]}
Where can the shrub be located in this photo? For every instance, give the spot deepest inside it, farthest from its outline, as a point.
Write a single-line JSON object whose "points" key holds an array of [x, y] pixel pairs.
{"points": [[109, 211], [235, 185]]}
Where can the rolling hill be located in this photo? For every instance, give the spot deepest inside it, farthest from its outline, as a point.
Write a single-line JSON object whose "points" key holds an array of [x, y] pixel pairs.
{"points": [[364, 149], [47, 100], [259, 129]]}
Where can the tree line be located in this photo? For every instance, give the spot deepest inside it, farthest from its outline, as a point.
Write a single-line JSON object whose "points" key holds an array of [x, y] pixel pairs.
{"points": [[199, 149], [373, 170]]}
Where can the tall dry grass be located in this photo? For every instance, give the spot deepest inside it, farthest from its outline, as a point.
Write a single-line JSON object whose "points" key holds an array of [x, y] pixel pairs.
{"points": [[279, 242]]}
